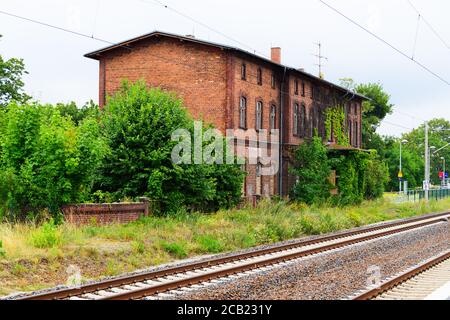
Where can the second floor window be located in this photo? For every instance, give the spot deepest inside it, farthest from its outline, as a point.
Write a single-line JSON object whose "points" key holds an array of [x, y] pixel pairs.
{"points": [[303, 88], [273, 117], [273, 81], [296, 87], [244, 71], [243, 113], [259, 110], [259, 76], [295, 119]]}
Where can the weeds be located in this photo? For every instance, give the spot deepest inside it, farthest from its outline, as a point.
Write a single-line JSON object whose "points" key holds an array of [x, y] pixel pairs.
{"points": [[46, 236], [176, 249], [114, 249]]}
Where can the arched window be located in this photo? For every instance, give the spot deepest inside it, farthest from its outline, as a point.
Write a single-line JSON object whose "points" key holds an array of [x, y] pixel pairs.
{"points": [[243, 113], [273, 117], [295, 119], [259, 110]]}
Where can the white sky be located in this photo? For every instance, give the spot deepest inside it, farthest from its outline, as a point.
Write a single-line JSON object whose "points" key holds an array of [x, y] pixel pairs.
{"points": [[60, 73]]}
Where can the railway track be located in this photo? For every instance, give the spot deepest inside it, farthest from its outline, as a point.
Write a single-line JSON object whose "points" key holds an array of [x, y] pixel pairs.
{"points": [[157, 282], [427, 281]]}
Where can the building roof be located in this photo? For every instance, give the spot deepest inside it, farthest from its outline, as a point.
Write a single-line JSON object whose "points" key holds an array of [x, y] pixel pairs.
{"points": [[126, 44]]}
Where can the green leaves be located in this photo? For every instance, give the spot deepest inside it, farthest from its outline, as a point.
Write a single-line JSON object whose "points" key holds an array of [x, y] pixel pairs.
{"points": [[313, 171], [46, 160], [11, 83], [138, 124]]}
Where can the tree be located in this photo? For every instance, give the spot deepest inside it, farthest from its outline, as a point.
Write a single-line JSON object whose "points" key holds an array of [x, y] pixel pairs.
{"points": [[313, 172], [11, 83], [138, 124], [71, 110], [45, 159], [439, 136]]}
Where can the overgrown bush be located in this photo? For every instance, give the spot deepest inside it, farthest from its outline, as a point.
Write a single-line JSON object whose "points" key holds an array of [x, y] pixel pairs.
{"points": [[138, 124], [312, 171], [361, 175]]}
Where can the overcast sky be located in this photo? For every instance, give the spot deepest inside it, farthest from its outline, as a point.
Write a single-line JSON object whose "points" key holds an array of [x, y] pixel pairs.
{"points": [[58, 72]]}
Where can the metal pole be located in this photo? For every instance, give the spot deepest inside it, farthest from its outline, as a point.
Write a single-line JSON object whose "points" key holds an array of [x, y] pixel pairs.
{"points": [[427, 163], [400, 179]]}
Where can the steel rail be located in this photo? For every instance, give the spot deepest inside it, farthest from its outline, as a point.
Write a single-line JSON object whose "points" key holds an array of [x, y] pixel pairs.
{"points": [[399, 279], [176, 284], [128, 280]]}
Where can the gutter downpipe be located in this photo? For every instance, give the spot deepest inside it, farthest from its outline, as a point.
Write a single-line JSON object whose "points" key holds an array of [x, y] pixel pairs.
{"points": [[280, 174]]}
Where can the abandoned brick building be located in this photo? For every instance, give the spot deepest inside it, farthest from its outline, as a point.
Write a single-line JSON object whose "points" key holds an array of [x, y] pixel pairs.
{"points": [[233, 89]]}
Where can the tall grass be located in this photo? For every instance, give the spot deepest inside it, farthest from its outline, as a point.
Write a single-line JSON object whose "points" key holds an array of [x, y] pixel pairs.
{"points": [[153, 240]]}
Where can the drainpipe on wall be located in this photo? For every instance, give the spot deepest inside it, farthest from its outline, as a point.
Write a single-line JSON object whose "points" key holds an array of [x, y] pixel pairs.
{"points": [[280, 174]]}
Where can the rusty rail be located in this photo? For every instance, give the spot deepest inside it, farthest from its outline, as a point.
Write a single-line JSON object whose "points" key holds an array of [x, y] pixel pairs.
{"points": [[128, 280], [397, 280]]}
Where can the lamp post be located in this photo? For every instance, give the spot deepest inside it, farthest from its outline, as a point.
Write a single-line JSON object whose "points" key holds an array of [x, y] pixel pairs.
{"points": [[400, 174]]}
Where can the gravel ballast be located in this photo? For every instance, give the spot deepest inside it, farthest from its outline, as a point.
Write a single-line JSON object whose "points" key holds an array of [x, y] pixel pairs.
{"points": [[334, 275]]}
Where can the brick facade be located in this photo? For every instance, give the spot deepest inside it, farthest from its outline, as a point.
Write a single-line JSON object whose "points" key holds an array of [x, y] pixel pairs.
{"points": [[105, 213], [211, 79]]}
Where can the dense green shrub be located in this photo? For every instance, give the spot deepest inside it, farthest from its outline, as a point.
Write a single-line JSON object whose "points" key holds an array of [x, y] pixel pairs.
{"points": [[138, 124], [361, 175], [46, 236], [377, 177], [45, 159]]}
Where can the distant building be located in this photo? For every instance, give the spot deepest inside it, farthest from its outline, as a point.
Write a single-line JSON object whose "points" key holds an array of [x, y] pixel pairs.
{"points": [[233, 89]]}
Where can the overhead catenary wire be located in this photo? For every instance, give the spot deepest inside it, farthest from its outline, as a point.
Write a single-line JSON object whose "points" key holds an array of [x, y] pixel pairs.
{"points": [[429, 25], [186, 16], [415, 38], [124, 46], [386, 43]]}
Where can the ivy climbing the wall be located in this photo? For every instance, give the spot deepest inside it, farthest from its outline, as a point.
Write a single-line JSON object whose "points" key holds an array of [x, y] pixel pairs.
{"points": [[361, 175], [335, 125]]}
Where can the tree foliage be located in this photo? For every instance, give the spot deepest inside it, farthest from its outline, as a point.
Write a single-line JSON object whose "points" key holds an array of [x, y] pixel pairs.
{"points": [[45, 159], [360, 175], [313, 172], [373, 110], [138, 124], [11, 83]]}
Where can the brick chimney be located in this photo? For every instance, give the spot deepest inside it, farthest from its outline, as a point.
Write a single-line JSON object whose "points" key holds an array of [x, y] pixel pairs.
{"points": [[276, 55]]}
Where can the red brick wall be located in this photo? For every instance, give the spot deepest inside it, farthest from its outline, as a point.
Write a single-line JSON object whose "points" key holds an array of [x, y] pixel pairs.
{"points": [[195, 72], [104, 213]]}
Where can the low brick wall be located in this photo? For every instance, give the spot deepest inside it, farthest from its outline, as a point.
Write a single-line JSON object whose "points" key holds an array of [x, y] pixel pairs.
{"points": [[106, 213]]}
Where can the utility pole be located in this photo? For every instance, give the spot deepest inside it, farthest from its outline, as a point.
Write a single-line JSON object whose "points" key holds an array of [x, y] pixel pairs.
{"points": [[320, 57], [426, 183]]}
